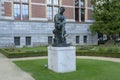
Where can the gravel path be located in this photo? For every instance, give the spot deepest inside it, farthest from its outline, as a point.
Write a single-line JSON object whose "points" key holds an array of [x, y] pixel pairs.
{"points": [[80, 57]]}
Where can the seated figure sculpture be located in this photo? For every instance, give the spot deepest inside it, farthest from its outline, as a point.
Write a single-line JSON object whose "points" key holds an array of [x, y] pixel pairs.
{"points": [[59, 31]]}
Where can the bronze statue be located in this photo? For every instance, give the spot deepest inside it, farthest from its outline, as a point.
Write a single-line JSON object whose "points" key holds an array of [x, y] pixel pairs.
{"points": [[59, 31]]}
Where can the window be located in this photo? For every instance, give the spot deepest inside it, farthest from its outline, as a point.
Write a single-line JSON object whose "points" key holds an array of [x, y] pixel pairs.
{"points": [[55, 10], [28, 41], [55, 2], [77, 3], [25, 12], [49, 13], [25, 1], [82, 14], [77, 39], [76, 14], [85, 39], [49, 2], [17, 13], [21, 10], [17, 41], [16, 0], [82, 3], [79, 10], [49, 39], [52, 8]]}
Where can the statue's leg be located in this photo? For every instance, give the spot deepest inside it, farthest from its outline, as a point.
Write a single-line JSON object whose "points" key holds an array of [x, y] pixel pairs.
{"points": [[63, 31]]}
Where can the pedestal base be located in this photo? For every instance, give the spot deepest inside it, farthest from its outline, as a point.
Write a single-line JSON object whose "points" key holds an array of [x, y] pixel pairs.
{"points": [[62, 59]]}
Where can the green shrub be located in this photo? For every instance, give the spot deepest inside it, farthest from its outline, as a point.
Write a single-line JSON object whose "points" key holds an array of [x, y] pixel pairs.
{"points": [[84, 47], [107, 51], [23, 54]]}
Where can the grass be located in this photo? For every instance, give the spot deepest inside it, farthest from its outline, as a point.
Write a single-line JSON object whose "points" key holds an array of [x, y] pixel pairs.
{"points": [[86, 70]]}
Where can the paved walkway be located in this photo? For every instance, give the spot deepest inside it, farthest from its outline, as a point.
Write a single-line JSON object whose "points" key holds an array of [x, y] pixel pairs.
{"points": [[9, 71], [80, 57]]}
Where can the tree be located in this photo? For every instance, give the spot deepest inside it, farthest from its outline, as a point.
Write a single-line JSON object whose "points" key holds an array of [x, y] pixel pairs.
{"points": [[107, 17]]}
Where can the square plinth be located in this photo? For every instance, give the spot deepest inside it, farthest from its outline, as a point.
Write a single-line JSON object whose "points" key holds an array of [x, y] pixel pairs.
{"points": [[62, 59]]}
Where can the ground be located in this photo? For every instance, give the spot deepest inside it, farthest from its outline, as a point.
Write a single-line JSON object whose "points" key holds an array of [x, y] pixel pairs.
{"points": [[14, 73]]}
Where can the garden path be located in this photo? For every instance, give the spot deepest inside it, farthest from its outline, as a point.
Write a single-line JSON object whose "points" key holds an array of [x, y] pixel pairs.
{"points": [[80, 57], [9, 71]]}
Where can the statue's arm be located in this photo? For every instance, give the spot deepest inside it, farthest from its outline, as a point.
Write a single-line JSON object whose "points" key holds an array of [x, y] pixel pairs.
{"points": [[64, 21], [56, 19]]}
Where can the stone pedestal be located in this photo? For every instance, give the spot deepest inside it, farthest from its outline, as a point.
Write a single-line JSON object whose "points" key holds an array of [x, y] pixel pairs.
{"points": [[62, 59]]}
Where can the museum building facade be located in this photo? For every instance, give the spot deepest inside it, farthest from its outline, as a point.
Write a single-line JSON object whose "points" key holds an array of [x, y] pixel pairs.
{"points": [[31, 22]]}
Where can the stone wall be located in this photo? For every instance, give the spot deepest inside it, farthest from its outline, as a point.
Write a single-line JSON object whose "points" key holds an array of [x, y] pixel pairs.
{"points": [[39, 32]]}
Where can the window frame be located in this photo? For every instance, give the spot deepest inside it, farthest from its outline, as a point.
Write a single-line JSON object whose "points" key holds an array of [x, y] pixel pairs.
{"points": [[28, 40], [21, 9], [77, 39], [17, 41], [78, 11], [85, 38], [50, 39], [52, 7]]}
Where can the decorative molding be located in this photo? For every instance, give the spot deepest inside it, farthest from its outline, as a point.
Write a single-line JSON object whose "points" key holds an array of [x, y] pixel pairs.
{"points": [[8, 0], [90, 8], [68, 6], [38, 19], [70, 20], [89, 20], [39, 4], [7, 18]]}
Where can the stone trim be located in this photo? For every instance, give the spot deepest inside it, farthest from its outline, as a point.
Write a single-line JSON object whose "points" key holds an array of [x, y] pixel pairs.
{"points": [[89, 20], [70, 20], [38, 3], [38, 19], [68, 6], [7, 18]]}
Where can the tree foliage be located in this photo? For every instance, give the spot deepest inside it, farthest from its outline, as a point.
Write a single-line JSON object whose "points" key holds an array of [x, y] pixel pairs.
{"points": [[107, 17]]}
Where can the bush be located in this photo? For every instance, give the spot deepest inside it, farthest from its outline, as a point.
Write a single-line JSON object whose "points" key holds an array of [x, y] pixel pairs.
{"points": [[106, 51], [97, 53], [23, 54]]}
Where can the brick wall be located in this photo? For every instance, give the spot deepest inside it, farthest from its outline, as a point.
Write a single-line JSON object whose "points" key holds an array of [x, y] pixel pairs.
{"points": [[38, 1], [89, 14], [69, 6], [69, 13], [89, 3], [89, 10], [68, 2], [38, 11], [7, 9]]}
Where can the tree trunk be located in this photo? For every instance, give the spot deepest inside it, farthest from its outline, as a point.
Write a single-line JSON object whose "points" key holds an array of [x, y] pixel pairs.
{"points": [[110, 40]]}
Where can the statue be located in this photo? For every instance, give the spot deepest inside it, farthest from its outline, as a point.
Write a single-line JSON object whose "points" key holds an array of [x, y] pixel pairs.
{"points": [[59, 31]]}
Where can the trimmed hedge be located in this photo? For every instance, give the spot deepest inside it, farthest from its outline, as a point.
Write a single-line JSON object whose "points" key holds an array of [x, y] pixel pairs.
{"points": [[101, 52], [97, 53], [23, 54]]}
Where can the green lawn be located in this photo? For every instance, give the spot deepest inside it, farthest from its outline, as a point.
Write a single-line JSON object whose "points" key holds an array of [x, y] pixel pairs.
{"points": [[86, 70]]}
